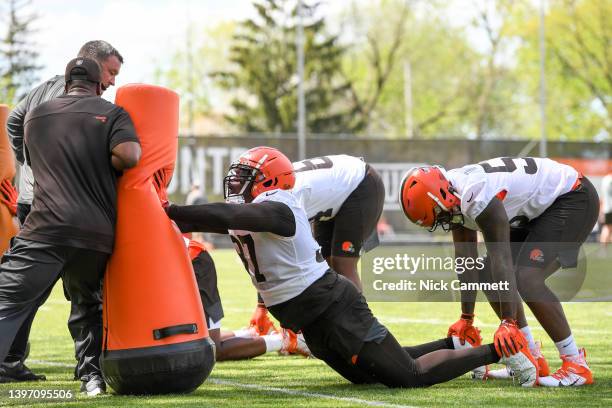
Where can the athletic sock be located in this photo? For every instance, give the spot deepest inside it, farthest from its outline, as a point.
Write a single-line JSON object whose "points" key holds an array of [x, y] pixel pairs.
{"points": [[274, 342], [567, 346], [457, 343], [243, 333], [530, 340]]}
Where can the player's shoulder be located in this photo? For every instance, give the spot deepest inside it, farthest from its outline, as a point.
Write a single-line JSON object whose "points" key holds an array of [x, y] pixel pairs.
{"points": [[282, 196], [467, 176]]}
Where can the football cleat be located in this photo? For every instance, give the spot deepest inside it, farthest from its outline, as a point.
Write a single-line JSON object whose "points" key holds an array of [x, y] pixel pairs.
{"points": [[543, 370], [94, 386], [500, 374], [524, 367], [293, 343], [573, 372], [506, 372]]}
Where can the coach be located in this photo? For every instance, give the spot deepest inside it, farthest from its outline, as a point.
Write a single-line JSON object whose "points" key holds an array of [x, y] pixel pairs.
{"points": [[77, 145]]}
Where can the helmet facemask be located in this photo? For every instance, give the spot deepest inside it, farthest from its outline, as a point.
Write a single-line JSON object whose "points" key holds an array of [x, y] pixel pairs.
{"points": [[238, 183], [447, 218]]}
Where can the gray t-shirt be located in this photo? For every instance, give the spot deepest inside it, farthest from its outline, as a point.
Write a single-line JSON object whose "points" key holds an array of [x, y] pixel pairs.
{"points": [[44, 92]]}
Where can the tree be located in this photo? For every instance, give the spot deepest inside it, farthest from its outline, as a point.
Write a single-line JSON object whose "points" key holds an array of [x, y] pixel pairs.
{"points": [[264, 79], [578, 67], [18, 68], [442, 75], [189, 71]]}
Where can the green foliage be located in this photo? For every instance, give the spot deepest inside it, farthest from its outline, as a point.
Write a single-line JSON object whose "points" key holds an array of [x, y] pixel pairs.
{"points": [[578, 67], [475, 79], [18, 55], [190, 66], [263, 78]]}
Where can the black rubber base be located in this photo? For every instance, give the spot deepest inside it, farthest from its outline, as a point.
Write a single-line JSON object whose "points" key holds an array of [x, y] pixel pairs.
{"points": [[174, 368]]}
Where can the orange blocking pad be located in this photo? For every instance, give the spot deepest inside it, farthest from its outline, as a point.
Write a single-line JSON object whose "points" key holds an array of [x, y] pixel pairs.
{"points": [[8, 229], [155, 334]]}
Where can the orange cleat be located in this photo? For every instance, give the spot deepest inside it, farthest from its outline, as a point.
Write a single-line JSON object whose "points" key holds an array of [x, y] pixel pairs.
{"points": [[543, 369], [260, 323], [574, 372], [294, 343]]}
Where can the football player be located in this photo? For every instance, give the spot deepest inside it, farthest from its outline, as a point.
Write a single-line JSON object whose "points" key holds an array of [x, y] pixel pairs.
{"points": [[272, 236], [241, 344], [546, 209], [343, 197]]}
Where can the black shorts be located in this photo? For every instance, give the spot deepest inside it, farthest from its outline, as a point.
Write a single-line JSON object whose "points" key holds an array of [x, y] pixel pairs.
{"points": [[608, 218], [355, 222], [206, 277], [558, 233], [332, 315]]}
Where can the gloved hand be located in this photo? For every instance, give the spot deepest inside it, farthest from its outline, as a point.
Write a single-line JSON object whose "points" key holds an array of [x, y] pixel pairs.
{"points": [[260, 321], [508, 338], [465, 330], [8, 196]]}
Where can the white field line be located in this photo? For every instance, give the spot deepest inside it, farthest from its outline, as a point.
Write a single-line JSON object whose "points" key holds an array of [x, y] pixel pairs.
{"points": [[264, 388]]}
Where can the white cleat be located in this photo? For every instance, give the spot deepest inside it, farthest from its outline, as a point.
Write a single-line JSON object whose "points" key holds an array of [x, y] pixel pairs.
{"points": [[524, 367], [500, 374]]}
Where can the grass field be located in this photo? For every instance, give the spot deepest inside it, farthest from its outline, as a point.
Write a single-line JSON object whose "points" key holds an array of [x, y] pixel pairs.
{"points": [[277, 381]]}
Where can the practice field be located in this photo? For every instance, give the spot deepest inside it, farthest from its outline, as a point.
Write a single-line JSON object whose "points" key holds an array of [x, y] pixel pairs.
{"points": [[272, 380]]}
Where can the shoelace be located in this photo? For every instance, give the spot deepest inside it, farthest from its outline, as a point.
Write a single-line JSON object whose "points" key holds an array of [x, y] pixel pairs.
{"points": [[560, 374]]}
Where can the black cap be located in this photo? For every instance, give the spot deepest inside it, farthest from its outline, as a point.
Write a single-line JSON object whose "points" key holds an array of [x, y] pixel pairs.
{"points": [[84, 69]]}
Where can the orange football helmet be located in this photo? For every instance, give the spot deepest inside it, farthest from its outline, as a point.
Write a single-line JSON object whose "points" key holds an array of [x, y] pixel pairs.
{"points": [[428, 199], [258, 170]]}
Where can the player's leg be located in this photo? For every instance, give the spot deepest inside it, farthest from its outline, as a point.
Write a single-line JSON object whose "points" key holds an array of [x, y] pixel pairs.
{"points": [[388, 362], [28, 271], [347, 369], [426, 348], [82, 278], [554, 241], [354, 223]]}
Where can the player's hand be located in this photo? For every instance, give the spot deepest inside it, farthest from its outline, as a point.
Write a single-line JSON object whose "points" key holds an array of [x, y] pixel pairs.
{"points": [[160, 185], [260, 321], [8, 196], [508, 338], [465, 330]]}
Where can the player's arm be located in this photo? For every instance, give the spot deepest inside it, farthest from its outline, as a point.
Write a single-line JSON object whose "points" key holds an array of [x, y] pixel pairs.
{"points": [[125, 155], [124, 143], [465, 241], [495, 227], [493, 222], [268, 216]]}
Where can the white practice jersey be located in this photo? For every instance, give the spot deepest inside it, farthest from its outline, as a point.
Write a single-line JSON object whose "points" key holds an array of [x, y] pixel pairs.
{"points": [[322, 184], [527, 186], [281, 267]]}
